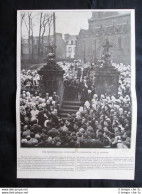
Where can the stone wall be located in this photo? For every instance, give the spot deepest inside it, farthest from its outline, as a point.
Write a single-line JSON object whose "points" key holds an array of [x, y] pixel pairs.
{"points": [[115, 28]]}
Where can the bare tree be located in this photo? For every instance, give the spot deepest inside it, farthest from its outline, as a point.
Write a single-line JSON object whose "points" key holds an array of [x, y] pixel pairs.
{"points": [[29, 32], [40, 27], [27, 18], [49, 27], [32, 41], [22, 20], [47, 20], [45, 23]]}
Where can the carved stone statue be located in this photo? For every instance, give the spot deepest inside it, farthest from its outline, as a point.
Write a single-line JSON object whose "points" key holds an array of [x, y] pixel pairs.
{"points": [[106, 54], [106, 47]]}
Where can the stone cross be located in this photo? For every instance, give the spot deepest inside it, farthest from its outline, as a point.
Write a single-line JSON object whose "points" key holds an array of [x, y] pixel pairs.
{"points": [[106, 47], [106, 54]]}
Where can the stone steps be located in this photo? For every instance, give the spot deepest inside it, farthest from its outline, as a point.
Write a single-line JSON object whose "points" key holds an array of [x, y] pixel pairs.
{"points": [[68, 111], [74, 103], [69, 107]]}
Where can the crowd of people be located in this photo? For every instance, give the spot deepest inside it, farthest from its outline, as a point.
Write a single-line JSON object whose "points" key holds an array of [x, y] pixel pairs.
{"points": [[102, 122], [77, 82], [124, 78], [30, 79], [78, 89]]}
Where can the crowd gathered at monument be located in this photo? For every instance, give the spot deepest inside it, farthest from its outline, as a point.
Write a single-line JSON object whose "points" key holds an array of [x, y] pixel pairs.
{"points": [[103, 121]]}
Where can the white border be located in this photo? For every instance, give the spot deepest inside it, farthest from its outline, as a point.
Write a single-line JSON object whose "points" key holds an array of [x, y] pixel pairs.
{"points": [[129, 152]]}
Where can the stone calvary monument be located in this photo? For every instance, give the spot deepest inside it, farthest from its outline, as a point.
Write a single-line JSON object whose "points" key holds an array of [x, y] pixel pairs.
{"points": [[52, 77], [107, 76], [51, 73]]}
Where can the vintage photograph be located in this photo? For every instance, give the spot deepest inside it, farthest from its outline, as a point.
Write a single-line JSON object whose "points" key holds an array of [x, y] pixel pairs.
{"points": [[75, 79]]}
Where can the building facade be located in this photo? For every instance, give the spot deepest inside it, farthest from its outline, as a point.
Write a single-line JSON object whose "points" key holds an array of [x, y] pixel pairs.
{"points": [[34, 53], [115, 27], [70, 41]]}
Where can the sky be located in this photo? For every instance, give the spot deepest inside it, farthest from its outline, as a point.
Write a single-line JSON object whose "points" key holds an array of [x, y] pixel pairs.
{"points": [[71, 22], [66, 22]]}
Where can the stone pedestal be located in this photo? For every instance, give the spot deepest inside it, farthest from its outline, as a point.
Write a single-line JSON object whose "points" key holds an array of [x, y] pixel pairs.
{"points": [[106, 76], [106, 81], [52, 78]]}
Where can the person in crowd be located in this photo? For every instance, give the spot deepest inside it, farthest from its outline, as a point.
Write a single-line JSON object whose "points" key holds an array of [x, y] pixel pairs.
{"points": [[101, 122], [56, 98], [66, 88], [30, 79]]}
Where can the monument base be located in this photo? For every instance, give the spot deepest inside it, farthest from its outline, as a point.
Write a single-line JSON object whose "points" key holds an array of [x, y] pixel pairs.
{"points": [[106, 80], [52, 77]]}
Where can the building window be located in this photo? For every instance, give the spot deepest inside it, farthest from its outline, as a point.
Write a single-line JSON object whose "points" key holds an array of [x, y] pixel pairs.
{"points": [[69, 49]]}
